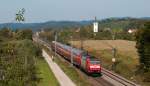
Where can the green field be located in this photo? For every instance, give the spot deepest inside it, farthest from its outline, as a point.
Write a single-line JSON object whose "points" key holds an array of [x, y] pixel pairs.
{"points": [[45, 74]]}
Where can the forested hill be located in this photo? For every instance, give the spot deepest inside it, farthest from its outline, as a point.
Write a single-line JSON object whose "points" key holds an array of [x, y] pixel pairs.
{"points": [[123, 23], [118, 23], [49, 24]]}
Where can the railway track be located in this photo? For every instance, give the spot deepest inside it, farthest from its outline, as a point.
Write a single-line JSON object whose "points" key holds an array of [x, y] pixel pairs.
{"points": [[103, 82], [116, 80]]}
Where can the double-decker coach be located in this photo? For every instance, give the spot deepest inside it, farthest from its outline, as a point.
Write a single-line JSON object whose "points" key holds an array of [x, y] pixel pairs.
{"points": [[81, 59]]}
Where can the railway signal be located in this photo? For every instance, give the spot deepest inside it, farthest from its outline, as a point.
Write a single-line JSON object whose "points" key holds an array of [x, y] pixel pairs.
{"points": [[95, 26], [52, 58], [114, 59], [20, 15], [113, 65]]}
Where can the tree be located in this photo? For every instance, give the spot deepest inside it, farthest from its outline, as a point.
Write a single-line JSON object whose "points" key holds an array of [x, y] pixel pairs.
{"points": [[143, 46]]}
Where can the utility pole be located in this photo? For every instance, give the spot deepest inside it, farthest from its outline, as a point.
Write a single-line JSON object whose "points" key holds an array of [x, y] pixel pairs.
{"points": [[81, 40], [82, 48], [71, 51], [55, 42]]}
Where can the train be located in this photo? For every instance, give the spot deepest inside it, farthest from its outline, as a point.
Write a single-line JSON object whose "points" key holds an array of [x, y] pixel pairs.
{"points": [[81, 59]]}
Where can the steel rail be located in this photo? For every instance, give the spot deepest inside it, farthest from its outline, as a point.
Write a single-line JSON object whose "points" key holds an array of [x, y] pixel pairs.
{"points": [[118, 78]]}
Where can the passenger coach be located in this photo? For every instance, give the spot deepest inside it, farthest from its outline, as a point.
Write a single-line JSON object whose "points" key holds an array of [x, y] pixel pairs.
{"points": [[81, 59]]}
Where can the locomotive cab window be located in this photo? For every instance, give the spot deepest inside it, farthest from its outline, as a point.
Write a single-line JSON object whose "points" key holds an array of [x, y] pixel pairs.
{"points": [[95, 62]]}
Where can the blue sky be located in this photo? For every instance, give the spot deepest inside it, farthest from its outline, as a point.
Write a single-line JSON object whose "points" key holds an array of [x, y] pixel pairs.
{"points": [[45, 10]]}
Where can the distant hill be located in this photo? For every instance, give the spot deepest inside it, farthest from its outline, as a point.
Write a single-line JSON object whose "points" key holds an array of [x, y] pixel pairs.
{"points": [[146, 18], [115, 22], [49, 24]]}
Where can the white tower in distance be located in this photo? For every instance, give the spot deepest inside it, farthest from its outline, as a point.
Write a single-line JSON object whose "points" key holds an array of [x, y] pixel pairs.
{"points": [[95, 26]]}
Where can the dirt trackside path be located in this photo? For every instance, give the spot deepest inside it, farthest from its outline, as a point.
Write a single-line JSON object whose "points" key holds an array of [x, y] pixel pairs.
{"points": [[62, 78]]}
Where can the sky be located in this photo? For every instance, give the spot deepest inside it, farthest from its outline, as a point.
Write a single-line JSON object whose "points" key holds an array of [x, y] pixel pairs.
{"points": [[72, 10]]}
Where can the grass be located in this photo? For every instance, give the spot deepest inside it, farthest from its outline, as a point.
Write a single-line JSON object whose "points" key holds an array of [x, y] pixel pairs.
{"points": [[126, 66], [45, 74], [123, 46], [78, 78]]}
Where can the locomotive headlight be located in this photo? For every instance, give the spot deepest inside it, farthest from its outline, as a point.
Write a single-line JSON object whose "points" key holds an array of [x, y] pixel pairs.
{"points": [[92, 67], [95, 66]]}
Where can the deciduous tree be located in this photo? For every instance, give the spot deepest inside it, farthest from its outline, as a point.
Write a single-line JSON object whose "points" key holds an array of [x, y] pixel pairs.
{"points": [[143, 46]]}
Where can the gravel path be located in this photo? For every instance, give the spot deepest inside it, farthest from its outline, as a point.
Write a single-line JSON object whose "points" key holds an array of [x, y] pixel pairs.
{"points": [[62, 78]]}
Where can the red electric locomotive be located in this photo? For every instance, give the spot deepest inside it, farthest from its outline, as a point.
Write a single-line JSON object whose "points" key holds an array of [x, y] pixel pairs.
{"points": [[83, 60]]}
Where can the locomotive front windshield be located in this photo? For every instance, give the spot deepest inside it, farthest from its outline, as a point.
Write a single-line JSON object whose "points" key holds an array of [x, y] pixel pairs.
{"points": [[95, 62]]}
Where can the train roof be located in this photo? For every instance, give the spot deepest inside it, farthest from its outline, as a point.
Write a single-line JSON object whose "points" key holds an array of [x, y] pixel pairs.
{"points": [[75, 50]]}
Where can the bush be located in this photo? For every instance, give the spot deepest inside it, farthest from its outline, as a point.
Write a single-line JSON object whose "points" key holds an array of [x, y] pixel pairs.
{"points": [[24, 34]]}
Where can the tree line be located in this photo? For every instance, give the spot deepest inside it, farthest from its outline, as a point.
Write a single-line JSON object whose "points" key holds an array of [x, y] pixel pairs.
{"points": [[143, 46]]}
